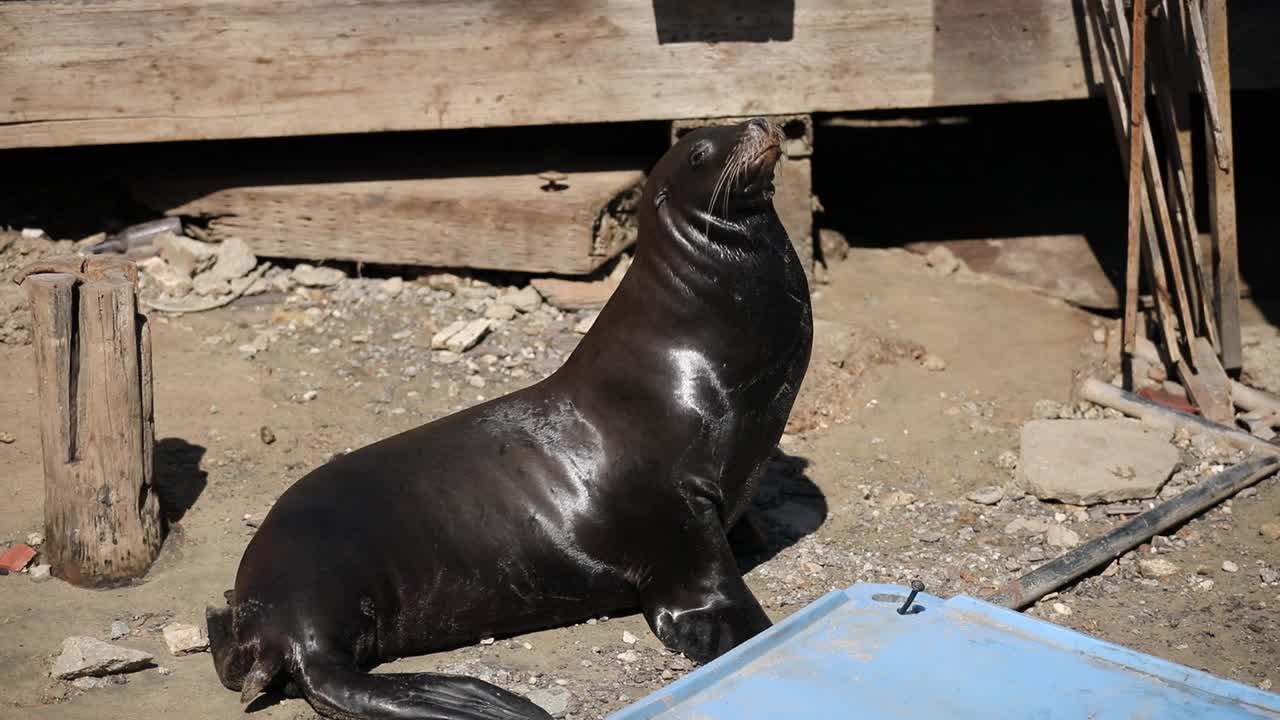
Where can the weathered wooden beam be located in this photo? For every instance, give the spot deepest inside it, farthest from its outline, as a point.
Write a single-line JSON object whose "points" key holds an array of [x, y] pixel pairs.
{"points": [[500, 222], [242, 68], [102, 514], [1222, 189]]}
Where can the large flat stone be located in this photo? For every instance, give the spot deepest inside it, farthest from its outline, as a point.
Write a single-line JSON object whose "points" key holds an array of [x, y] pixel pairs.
{"points": [[85, 656], [1084, 462]]}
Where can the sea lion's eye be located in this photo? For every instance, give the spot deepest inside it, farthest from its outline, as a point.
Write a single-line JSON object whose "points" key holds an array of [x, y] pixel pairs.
{"points": [[698, 154]]}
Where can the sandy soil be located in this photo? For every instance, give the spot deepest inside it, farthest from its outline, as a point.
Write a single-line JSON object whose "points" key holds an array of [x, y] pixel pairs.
{"points": [[871, 487]]}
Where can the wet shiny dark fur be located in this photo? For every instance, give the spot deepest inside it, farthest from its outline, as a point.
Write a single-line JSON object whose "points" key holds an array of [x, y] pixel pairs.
{"points": [[609, 485]]}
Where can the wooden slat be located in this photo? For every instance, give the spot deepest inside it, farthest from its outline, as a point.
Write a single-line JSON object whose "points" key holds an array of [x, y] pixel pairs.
{"points": [[1222, 192], [109, 71], [496, 222]]}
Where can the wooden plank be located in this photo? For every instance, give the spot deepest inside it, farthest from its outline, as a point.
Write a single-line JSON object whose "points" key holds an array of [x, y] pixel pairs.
{"points": [[119, 71], [504, 222], [1222, 192], [1137, 108]]}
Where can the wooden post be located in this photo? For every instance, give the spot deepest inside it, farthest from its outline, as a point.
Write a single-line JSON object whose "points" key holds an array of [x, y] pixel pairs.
{"points": [[93, 367], [1222, 187]]}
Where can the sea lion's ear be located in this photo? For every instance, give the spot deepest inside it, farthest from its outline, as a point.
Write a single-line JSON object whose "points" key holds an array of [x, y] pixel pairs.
{"points": [[660, 198]]}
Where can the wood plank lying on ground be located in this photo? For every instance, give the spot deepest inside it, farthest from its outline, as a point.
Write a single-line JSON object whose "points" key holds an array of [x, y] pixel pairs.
{"points": [[118, 71], [495, 222]]}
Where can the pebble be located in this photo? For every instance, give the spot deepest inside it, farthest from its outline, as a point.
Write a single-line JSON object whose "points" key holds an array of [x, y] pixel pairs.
{"points": [[7, 438], [629, 656], [39, 573], [1061, 609], [1156, 568], [1228, 566], [392, 286], [266, 435], [183, 639], [119, 629], [1267, 575], [500, 311], [987, 495], [554, 700], [486, 641], [32, 233], [35, 539], [312, 276], [467, 336], [628, 638], [248, 350], [933, 363], [1099, 335], [164, 670], [1031, 525], [401, 334], [309, 395], [929, 536], [526, 299], [942, 260], [1061, 537], [1270, 531], [584, 325]]}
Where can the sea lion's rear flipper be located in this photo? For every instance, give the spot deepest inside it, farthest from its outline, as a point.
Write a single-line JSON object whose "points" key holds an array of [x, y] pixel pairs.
{"points": [[341, 691]]}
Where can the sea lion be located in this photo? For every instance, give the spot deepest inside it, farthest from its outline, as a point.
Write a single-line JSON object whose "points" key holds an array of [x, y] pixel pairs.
{"points": [[610, 485]]}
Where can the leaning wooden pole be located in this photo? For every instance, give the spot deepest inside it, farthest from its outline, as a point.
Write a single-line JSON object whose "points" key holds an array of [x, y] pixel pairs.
{"points": [[93, 356], [1137, 107]]}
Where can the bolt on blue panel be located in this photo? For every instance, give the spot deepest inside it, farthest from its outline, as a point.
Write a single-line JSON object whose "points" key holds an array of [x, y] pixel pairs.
{"points": [[851, 654]]}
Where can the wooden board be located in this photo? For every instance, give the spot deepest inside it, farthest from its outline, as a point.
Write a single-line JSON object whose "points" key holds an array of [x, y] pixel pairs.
{"points": [[119, 71], [502, 222]]}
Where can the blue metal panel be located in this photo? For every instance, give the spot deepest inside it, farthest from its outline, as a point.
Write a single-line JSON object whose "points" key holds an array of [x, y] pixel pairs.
{"points": [[850, 654]]}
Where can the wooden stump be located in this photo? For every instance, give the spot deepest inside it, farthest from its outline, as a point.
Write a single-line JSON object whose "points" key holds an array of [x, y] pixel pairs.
{"points": [[93, 366]]}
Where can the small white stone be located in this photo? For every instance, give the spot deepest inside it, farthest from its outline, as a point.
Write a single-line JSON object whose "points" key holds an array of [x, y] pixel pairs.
{"points": [[584, 325], [1061, 609], [309, 395], [629, 656], [39, 573], [1156, 568], [35, 539], [628, 638], [1229, 566], [933, 363], [184, 639], [32, 233], [486, 641], [392, 286], [1061, 537], [1099, 335]]}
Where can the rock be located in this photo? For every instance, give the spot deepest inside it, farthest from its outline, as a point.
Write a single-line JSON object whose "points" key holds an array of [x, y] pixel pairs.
{"points": [[1061, 609], [555, 700], [39, 573], [500, 311], [35, 539], [1046, 410], [85, 656], [32, 233], [164, 670], [574, 294], [447, 282], [1084, 462], [1269, 575], [897, 498], [1099, 335], [987, 495], [266, 435], [628, 638], [1035, 526], [312, 276], [184, 639], [629, 656], [185, 255], [1061, 537], [90, 683], [526, 299], [119, 629], [170, 280], [1156, 568], [392, 286], [439, 341], [235, 260], [583, 326], [310, 395], [1007, 460], [834, 245], [933, 363], [1270, 531], [1228, 566], [942, 260], [929, 536], [469, 335], [207, 284]]}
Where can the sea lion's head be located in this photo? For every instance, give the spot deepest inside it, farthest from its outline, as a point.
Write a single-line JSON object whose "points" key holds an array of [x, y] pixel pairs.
{"points": [[717, 173]]}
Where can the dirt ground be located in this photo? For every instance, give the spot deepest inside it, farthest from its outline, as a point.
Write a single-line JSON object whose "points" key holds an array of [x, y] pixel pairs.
{"points": [[870, 487]]}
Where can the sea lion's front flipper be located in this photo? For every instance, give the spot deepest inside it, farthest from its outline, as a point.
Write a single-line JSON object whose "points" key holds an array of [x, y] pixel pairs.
{"points": [[700, 605], [339, 690]]}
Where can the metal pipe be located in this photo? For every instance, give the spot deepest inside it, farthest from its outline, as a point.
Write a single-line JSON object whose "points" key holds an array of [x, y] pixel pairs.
{"points": [[1067, 567]]}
